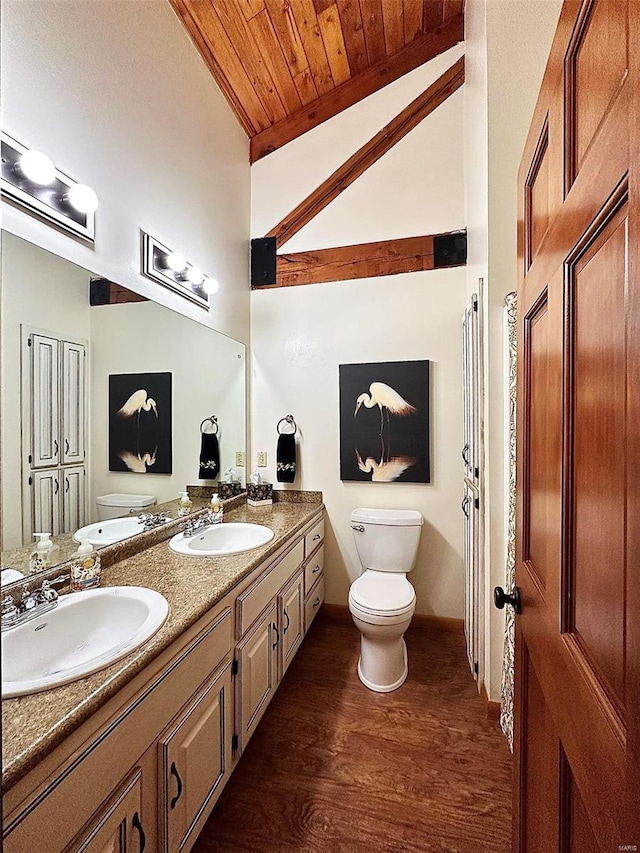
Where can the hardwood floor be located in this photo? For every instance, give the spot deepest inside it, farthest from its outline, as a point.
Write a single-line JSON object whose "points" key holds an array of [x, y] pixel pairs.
{"points": [[336, 768]]}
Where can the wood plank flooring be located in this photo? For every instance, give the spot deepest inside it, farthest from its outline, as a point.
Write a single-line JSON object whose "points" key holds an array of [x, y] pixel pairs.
{"points": [[336, 768]]}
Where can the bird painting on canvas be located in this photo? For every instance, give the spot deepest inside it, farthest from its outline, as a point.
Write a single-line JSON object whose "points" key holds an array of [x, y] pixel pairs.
{"points": [[140, 422], [387, 399]]}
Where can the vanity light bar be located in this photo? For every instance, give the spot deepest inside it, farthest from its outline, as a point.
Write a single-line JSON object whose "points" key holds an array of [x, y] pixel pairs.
{"points": [[31, 181], [172, 270]]}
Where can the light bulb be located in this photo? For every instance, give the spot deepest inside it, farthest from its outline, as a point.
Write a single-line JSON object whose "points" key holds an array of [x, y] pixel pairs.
{"points": [[37, 167], [82, 198], [195, 275], [211, 286], [175, 261]]}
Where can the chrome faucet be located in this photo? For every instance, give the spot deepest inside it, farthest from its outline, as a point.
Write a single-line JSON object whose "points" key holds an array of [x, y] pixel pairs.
{"points": [[32, 604], [193, 525], [150, 521]]}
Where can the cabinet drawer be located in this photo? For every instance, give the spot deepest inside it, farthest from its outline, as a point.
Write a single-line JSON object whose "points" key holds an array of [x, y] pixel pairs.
{"points": [[313, 603], [313, 569], [314, 537], [253, 601]]}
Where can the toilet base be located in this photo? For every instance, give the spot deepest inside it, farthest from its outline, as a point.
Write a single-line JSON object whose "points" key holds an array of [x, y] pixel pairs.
{"points": [[384, 672]]}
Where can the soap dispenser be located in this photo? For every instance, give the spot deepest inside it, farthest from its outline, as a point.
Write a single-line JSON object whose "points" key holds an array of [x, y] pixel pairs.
{"points": [[40, 557], [217, 509], [85, 567], [186, 505]]}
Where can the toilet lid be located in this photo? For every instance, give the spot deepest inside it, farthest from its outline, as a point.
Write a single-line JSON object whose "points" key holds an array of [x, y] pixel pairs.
{"points": [[382, 592]]}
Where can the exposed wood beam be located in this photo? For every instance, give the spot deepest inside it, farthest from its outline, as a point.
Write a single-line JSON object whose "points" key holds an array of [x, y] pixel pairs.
{"points": [[344, 176], [363, 260], [105, 292], [385, 71]]}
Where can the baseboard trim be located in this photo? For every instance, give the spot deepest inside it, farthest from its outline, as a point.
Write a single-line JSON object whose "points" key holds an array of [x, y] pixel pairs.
{"points": [[493, 708], [338, 613]]}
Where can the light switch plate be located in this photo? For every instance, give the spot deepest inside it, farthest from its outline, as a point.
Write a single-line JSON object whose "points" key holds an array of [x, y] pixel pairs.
{"points": [[240, 458], [262, 459]]}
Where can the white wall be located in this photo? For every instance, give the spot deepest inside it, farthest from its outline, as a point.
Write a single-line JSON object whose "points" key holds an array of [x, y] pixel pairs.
{"points": [[508, 43], [45, 292], [119, 98], [208, 377], [301, 334]]}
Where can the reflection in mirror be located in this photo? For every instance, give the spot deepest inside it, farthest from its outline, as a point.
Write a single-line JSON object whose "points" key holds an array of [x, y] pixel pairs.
{"points": [[72, 376]]}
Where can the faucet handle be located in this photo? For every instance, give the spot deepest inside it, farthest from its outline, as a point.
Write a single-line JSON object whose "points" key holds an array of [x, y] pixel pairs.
{"points": [[9, 608], [47, 592]]}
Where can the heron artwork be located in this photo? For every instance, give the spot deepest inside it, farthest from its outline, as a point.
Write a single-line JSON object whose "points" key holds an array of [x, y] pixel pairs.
{"points": [[387, 399], [140, 422]]}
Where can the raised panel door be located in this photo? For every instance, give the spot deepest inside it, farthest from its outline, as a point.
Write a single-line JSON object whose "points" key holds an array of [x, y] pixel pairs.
{"points": [[257, 679], [46, 501], [72, 433], [195, 760], [45, 412], [291, 607], [73, 486]]}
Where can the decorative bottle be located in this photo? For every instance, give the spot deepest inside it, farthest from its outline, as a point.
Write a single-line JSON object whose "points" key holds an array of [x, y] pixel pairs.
{"points": [[85, 567], [185, 506], [217, 509], [40, 557]]}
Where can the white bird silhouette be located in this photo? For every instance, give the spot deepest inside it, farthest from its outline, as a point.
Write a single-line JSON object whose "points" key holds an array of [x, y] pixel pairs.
{"points": [[137, 402], [386, 398], [387, 470]]}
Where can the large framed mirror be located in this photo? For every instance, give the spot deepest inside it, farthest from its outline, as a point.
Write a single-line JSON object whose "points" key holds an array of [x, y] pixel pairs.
{"points": [[63, 363]]}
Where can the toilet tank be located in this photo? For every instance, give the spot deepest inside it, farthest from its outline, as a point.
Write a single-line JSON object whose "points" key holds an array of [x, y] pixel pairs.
{"points": [[119, 504], [386, 539]]}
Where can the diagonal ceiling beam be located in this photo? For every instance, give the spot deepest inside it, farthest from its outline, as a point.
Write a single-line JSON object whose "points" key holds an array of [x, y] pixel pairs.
{"points": [[421, 50], [357, 164]]}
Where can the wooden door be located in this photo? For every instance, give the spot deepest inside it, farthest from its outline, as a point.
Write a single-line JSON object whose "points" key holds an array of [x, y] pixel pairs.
{"points": [[117, 826], [195, 760], [46, 500], [291, 611], [578, 533], [73, 485], [44, 401], [73, 403], [257, 679]]}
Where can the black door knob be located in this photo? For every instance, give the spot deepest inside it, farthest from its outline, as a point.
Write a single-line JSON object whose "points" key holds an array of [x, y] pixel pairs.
{"points": [[500, 598]]}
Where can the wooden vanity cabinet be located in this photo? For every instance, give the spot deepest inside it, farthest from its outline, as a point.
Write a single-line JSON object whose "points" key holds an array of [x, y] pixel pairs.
{"points": [[144, 772]]}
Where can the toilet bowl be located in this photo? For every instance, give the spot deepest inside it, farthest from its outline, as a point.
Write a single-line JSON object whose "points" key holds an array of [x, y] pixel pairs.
{"points": [[381, 599]]}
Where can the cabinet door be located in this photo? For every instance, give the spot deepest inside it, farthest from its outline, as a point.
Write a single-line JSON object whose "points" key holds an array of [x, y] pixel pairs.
{"points": [[291, 610], [195, 760], [258, 673], [73, 481], [117, 826], [46, 500], [45, 414], [73, 403]]}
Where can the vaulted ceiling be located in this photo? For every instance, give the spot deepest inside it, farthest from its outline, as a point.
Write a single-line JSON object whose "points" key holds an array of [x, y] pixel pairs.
{"points": [[287, 65]]}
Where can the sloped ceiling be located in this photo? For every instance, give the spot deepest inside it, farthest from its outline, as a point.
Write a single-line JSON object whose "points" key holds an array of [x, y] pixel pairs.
{"points": [[287, 65]]}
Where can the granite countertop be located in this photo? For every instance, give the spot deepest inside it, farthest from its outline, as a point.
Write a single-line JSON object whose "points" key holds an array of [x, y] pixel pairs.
{"points": [[33, 725]]}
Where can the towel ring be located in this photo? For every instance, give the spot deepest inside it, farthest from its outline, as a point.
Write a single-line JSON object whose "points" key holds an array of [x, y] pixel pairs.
{"points": [[288, 419], [211, 420]]}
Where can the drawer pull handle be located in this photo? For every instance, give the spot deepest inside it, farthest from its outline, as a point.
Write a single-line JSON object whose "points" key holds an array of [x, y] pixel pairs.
{"points": [[317, 569], [275, 628], [174, 772], [55, 446], [66, 446], [316, 537], [286, 627], [136, 823], [316, 603], [57, 488]]}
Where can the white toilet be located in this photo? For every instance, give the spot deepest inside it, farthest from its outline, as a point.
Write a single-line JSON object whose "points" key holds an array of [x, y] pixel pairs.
{"points": [[381, 600], [118, 505]]}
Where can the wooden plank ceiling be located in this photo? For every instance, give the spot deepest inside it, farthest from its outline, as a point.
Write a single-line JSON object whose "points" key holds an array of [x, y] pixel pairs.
{"points": [[287, 65]]}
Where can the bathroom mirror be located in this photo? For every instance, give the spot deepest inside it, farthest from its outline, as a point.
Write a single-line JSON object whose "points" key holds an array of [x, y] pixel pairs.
{"points": [[72, 375]]}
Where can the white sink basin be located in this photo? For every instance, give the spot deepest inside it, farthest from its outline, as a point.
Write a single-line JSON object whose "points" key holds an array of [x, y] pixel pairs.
{"points": [[222, 539], [110, 531], [86, 632]]}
